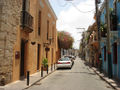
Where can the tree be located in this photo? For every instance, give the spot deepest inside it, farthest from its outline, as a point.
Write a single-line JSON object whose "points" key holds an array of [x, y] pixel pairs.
{"points": [[65, 40]]}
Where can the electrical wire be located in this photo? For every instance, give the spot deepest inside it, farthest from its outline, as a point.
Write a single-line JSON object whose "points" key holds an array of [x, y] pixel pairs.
{"points": [[81, 10]]}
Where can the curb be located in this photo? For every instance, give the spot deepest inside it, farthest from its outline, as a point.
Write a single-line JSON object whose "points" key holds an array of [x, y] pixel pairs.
{"points": [[39, 80], [105, 79]]}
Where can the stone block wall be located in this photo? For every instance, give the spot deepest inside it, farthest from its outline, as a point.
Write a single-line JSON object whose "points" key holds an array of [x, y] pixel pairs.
{"points": [[9, 22]]}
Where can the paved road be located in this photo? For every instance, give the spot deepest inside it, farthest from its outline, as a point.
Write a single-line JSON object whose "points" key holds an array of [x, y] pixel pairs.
{"points": [[80, 77]]}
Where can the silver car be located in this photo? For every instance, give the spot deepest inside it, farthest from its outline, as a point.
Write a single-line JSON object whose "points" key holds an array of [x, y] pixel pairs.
{"points": [[64, 62]]}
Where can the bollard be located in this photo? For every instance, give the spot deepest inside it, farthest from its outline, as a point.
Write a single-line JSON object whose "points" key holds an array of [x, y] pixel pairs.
{"points": [[28, 77], [51, 67], [47, 69], [54, 66], [42, 71]]}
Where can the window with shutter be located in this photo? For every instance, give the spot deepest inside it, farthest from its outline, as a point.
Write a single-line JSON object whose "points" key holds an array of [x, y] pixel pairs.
{"points": [[47, 29], [104, 53], [115, 53], [39, 22]]}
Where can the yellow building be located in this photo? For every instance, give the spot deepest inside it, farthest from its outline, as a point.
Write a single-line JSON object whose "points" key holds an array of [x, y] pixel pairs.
{"points": [[31, 36]]}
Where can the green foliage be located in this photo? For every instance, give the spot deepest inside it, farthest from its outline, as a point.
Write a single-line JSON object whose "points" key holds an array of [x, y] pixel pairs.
{"points": [[103, 29], [65, 40], [45, 62]]}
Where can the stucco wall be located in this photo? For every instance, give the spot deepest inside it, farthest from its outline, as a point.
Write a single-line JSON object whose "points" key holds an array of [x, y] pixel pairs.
{"points": [[9, 19]]}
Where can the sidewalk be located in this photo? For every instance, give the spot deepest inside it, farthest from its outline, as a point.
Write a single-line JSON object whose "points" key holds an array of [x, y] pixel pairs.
{"points": [[111, 82], [22, 84]]}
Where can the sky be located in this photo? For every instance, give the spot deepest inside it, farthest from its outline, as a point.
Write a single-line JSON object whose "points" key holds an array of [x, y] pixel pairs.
{"points": [[73, 15]]}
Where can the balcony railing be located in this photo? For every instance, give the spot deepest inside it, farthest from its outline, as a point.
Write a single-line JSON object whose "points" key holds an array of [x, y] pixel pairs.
{"points": [[26, 22]]}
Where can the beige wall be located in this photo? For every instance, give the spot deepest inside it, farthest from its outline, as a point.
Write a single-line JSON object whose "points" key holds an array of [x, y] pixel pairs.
{"points": [[31, 50], [30, 63], [9, 21]]}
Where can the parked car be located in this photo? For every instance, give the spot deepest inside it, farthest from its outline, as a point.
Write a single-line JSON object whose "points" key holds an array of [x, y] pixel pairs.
{"points": [[71, 58], [64, 62]]}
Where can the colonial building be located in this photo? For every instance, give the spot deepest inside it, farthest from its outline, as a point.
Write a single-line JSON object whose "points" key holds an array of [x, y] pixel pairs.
{"points": [[27, 35], [113, 64]]}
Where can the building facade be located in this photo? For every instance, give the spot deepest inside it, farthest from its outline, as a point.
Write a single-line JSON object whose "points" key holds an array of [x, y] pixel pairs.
{"points": [[114, 6], [27, 35]]}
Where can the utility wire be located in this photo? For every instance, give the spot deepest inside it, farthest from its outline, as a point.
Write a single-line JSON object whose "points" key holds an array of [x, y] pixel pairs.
{"points": [[80, 10]]}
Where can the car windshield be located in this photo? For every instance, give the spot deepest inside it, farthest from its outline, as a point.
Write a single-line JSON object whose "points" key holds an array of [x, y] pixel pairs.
{"points": [[64, 59], [68, 56]]}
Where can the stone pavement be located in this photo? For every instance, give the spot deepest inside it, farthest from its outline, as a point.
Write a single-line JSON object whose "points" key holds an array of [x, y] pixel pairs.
{"points": [[22, 84], [111, 82]]}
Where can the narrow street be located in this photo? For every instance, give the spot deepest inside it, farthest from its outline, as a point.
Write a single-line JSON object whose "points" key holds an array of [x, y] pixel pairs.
{"points": [[80, 77]]}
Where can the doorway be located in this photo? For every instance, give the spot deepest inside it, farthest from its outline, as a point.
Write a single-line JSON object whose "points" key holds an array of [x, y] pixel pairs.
{"points": [[52, 56], [22, 59], [115, 53], [38, 57]]}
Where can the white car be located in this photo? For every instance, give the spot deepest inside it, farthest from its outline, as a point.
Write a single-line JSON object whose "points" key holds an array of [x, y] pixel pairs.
{"points": [[64, 62]]}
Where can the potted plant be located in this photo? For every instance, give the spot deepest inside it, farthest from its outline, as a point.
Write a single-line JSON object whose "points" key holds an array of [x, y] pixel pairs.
{"points": [[103, 29], [45, 63]]}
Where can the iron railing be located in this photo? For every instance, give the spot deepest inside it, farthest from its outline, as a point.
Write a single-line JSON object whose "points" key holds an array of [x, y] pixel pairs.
{"points": [[26, 21]]}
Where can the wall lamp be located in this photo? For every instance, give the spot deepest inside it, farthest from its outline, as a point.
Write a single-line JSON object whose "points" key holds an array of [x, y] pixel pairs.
{"points": [[32, 42]]}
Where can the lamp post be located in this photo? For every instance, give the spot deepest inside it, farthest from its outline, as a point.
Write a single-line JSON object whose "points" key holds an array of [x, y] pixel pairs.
{"points": [[83, 53]]}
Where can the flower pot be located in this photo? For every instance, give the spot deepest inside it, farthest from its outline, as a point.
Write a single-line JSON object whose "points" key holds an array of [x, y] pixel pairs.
{"points": [[44, 68]]}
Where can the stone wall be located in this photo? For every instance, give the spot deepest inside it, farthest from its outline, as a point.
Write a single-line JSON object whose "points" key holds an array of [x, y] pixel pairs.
{"points": [[9, 22]]}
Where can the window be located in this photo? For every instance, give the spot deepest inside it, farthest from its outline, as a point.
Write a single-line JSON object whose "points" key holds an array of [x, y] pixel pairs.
{"points": [[53, 33], [115, 6], [47, 29], [115, 53], [39, 23], [104, 53], [38, 56]]}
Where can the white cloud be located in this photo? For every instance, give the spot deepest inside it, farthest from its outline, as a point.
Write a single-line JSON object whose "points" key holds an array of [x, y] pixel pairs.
{"points": [[71, 19]]}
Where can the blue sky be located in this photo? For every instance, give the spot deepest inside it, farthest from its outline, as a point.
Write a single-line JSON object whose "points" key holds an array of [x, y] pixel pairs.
{"points": [[71, 16]]}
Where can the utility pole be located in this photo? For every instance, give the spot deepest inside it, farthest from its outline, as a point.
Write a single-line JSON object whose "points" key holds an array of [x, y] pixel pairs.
{"points": [[98, 27], [108, 40]]}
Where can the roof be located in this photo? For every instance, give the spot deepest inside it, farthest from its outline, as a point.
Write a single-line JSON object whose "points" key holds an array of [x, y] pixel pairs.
{"points": [[49, 5]]}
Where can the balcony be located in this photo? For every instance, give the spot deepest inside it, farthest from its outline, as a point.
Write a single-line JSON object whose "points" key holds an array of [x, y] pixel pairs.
{"points": [[95, 43], [26, 22]]}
